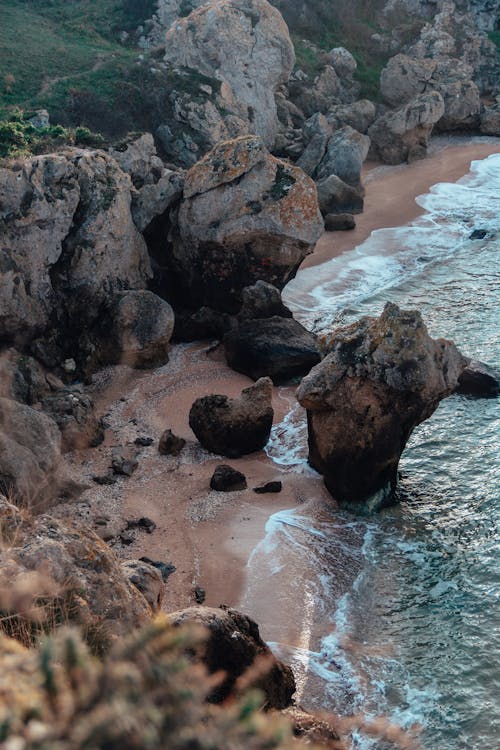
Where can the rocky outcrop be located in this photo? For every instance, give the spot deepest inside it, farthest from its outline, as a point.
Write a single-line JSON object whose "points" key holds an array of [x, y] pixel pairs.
{"points": [[380, 378], [73, 412], [245, 216], [32, 471], [68, 242], [233, 427], [233, 646], [403, 135], [93, 590], [280, 348], [147, 579], [136, 330], [244, 48]]}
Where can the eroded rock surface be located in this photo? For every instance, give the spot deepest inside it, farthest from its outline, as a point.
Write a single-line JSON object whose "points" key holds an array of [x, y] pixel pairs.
{"points": [[380, 378], [233, 427]]}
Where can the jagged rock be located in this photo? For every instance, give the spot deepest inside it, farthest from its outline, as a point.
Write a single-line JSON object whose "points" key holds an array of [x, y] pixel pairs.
{"points": [[335, 196], [73, 412], [147, 579], [280, 348], [317, 124], [395, 134], [313, 154], [245, 216], [227, 479], [311, 729], [166, 569], [358, 115], [262, 300], [32, 470], [233, 646], [108, 528], [405, 78], [339, 222], [320, 94], [477, 379], [136, 330], [244, 47], [344, 63], [170, 444], [123, 462], [490, 120], [346, 151], [380, 378], [23, 379], [199, 594], [233, 427], [68, 242], [94, 591]]}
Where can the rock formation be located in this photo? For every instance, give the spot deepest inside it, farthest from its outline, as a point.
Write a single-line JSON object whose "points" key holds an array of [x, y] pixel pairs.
{"points": [[243, 47], [379, 379], [233, 427], [245, 216], [233, 646]]}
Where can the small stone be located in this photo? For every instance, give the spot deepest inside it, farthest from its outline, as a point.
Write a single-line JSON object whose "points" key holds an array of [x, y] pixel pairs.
{"points": [[124, 464], [170, 444], [166, 569], [104, 479], [268, 487], [69, 366], [199, 595], [142, 523], [144, 441], [478, 234], [227, 479], [127, 537]]}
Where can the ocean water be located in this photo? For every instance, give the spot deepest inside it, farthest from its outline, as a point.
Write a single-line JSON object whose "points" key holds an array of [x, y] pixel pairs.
{"points": [[398, 614]]}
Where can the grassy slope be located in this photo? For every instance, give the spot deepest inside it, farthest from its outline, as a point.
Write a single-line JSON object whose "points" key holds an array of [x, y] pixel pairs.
{"points": [[42, 40]]}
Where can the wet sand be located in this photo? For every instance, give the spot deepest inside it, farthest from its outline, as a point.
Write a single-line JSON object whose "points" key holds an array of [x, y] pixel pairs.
{"points": [[209, 536]]}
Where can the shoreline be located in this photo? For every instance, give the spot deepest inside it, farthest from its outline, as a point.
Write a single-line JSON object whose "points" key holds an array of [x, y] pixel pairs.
{"points": [[210, 536]]}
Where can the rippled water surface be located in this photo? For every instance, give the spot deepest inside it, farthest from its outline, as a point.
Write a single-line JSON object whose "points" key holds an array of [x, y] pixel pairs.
{"points": [[400, 611]]}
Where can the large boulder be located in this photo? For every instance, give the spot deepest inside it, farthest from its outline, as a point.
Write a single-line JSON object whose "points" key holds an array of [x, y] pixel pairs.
{"points": [[280, 348], [244, 48], [32, 471], [380, 378], [94, 592], [233, 427], [262, 300], [245, 216], [346, 151], [335, 196], [68, 242], [404, 134], [137, 329], [358, 115], [233, 647]]}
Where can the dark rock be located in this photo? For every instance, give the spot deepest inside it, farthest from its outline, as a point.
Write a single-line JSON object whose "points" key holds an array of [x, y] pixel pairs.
{"points": [[262, 300], [379, 379], [144, 441], [127, 537], [204, 323], [233, 427], [166, 569], [104, 479], [227, 479], [142, 523], [233, 646], [339, 222], [268, 487], [123, 462], [478, 234], [170, 444], [335, 196], [73, 412], [477, 379], [107, 528], [199, 595], [278, 347]]}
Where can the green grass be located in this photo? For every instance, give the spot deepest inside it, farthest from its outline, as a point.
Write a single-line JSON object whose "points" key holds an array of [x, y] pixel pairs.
{"points": [[47, 40]]}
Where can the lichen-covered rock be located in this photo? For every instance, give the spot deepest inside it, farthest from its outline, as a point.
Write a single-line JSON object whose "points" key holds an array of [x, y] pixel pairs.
{"points": [[234, 645], [137, 329], [234, 427], [245, 216], [380, 378], [395, 135], [244, 45], [280, 348], [93, 589], [68, 241]]}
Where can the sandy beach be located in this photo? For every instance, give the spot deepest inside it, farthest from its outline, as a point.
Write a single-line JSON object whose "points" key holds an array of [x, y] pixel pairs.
{"points": [[208, 535]]}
